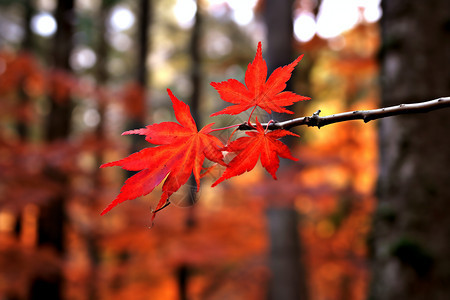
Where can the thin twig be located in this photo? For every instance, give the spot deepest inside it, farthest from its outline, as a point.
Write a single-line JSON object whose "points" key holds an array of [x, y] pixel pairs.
{"points": [[366, 115]]}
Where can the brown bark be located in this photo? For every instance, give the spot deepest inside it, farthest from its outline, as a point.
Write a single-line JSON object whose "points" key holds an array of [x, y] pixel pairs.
{"points": [[287, 278], [145, 17], [59, 118], [411, 234], [287, 273], [142, 73], [102, 76], [48, 285], [184, 269]]}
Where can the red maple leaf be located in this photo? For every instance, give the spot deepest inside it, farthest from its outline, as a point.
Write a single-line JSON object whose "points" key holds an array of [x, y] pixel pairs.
{"points": [[268, 94], [259, 143], [181, 151]]}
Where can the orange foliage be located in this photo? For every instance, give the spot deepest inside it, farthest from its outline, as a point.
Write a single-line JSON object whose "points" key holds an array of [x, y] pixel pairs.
{"points": [[20, 72], [133, 96], [222, 240], [60, 85]]}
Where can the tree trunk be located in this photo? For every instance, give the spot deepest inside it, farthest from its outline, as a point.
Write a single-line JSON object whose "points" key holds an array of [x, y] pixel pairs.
{"points": [[184, 269], [21, 124], [287, 278], [27, 47], [48, 284], [101, 75], [411, 235], [59, 118], [145, 16], [136, 120]]}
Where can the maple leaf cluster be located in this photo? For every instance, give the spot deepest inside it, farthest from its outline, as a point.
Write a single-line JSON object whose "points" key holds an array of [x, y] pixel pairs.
{"points": [[181, 149]]}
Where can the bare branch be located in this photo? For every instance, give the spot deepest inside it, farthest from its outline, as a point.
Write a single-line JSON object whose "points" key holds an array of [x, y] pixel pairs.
{"points": [[365, 115]]}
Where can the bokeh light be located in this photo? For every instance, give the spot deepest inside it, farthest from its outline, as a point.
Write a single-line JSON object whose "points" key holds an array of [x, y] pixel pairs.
{"points": [[304, 27], [43, 24], [83, 58], [334, 18], [121, 18], [184, 11]]}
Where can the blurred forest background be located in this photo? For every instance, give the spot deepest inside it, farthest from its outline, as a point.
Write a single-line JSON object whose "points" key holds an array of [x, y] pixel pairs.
{"points": [[75, 74]]}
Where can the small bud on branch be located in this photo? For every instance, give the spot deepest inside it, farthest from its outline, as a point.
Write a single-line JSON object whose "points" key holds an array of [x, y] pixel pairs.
{"points": [[366, 115]]}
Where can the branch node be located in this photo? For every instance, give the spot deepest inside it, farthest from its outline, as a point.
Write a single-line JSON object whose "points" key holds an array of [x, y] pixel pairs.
{"points": [[314, 120]]}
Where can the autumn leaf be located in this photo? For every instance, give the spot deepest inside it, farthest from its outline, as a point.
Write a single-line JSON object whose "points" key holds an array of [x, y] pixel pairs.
{"points": [[259, 143], [258, 92], [181, 151]]}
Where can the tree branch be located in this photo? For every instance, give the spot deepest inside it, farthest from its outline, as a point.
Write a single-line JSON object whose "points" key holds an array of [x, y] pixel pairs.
{"points": [[365, 115]]}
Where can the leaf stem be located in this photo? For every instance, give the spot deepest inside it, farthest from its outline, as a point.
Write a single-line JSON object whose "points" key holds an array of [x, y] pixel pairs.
{"points": [[224, 128], [268, 123], [249, 117], [231, 135]]}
